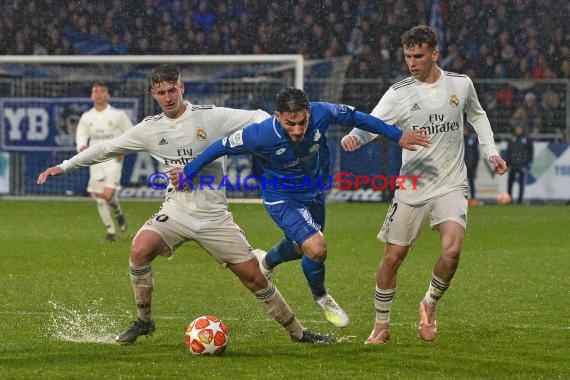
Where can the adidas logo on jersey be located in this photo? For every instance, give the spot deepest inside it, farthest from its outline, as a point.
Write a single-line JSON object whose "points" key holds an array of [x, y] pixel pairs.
{"points": [[163, 142], [416, 107]]}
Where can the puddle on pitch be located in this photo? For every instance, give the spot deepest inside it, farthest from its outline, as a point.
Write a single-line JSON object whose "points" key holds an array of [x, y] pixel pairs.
{"points": [[71, 325]]}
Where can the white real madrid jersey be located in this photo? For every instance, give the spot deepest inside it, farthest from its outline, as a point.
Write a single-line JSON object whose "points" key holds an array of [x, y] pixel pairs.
{"points": [[438, 109], [174, 143], [95, 126]]}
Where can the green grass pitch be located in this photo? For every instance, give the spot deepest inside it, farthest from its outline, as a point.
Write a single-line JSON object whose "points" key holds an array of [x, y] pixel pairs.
{"points": [[65, 294]]}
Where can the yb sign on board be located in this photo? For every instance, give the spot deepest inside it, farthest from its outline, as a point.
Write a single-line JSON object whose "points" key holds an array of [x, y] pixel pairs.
{"points": [[47, 124]]}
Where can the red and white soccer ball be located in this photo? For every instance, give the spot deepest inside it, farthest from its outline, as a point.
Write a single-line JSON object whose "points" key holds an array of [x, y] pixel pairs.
{"points": [[207, 335], [503, 198]]}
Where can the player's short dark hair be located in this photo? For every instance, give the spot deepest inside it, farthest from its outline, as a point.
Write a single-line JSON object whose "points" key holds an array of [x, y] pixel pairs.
{"points": [[100, 84], [419, 35], [291, 100], [165, 72]]}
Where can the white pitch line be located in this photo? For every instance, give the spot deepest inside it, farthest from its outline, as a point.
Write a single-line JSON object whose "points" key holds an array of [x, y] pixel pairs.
{"points": [[319, 321]]}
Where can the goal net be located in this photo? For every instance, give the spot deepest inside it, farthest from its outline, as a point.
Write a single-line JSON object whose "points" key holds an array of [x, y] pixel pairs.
{"points": [[43, 98]]}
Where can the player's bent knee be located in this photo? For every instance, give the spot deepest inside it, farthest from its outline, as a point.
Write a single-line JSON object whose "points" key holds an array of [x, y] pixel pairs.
{"points": [[392, 260], [452, 251], [451, 256], [140, 254], [317, 255], [143, 251]]}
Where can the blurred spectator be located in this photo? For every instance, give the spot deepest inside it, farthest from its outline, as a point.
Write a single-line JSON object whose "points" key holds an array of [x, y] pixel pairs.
{"points": [[205, 17], [334, 49], [64, 48], [39, 49], [554, 117], [500, 72], [565, 69], [488, 67], [528, 115], [519, 158], [499, 108], [496, 114], [471, 160], [117, 45], [355, 45], [493, 28], [317, 41]]}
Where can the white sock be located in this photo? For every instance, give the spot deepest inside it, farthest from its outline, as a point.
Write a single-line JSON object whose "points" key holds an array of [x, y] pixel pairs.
{"points": [[114, 203], [383, 304], [436, 289], [105, 215], [273, 303], [143, 285]]}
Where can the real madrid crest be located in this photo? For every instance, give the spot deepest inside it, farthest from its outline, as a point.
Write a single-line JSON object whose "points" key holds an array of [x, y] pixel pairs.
{"points": [[454, 101], [201, 134]]}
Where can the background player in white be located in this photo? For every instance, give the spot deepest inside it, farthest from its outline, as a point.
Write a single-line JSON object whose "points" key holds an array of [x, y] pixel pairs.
{"points": [[100, 123], [174, 138], [433, 101]]}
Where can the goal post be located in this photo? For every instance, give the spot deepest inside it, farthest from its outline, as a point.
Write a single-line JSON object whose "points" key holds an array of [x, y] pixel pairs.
{"points": [[296, 60], [217, 79]]}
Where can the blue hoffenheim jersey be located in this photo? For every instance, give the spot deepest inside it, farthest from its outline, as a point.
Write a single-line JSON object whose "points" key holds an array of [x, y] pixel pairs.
{"points": [[291, 170], [299, 170]]}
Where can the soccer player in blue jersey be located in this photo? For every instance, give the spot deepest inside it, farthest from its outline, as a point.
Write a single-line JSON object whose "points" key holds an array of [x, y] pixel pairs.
{"points": [[291, 164]]}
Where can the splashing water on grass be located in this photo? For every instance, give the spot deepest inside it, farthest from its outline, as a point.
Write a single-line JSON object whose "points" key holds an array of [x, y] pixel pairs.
{"points": [[83, 327]]}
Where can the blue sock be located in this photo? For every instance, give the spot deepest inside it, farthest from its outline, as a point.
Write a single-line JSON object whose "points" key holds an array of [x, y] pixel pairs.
{"points": [[281, 252], [315, 274]]}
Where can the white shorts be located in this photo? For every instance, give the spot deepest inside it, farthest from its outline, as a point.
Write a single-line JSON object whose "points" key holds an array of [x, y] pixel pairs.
{"points": [[403, 222], [104, 174], [221, 237]]}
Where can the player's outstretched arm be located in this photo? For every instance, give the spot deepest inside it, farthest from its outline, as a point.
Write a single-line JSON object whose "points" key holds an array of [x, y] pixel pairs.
{"points": [[411, 138], [54, 170], [407, 140], [212, 152]]}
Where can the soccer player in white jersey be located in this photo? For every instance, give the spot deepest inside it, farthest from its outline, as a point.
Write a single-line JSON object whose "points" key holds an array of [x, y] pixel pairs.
{"points": [[433, 101], [174, 138], [100, 123]]}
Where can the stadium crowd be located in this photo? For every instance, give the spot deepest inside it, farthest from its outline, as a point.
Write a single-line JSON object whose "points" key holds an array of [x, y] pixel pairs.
{"points": [[492, 39]]}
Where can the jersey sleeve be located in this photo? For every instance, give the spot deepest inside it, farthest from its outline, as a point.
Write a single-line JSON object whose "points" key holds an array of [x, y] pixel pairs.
{"points": [[377, 126], [231, 120], [386, 111], [82, 133], [129, 142], [343, 114], [477, 117]]}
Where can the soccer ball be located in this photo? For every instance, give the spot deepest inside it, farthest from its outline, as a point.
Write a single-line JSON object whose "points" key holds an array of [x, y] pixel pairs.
{"points": [[207, 335], [503, 198]]}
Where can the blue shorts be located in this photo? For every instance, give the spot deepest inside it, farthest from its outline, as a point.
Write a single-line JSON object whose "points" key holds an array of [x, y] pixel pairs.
{"points": [[298, 220]]}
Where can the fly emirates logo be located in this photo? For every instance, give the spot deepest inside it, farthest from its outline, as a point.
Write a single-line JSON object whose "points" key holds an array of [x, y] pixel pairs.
{"points": [[436, 124], [184, 156]]}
